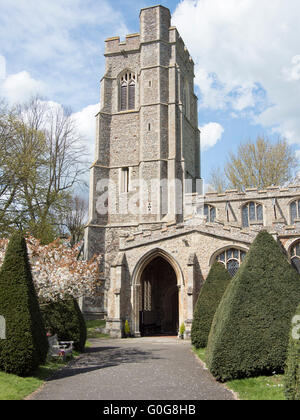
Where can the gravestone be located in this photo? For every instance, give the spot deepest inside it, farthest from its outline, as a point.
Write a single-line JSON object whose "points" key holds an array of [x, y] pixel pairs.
{"points": [[2, 328]]}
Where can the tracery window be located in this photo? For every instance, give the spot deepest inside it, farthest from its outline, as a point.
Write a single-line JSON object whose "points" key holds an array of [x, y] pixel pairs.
{"points": [[127, 91], [252, 212], [232, 259], [295, 211], [210, 213], [295, 256]]}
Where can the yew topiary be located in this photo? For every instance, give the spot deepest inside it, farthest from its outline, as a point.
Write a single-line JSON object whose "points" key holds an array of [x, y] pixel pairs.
{"points": [[209, 298], [65, 319], [26, 345], [292, 371], [250, 331]]}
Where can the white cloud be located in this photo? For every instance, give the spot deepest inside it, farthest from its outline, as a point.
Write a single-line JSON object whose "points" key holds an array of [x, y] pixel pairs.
{"points": [[2, 67], [211, 133], [293, 73], [86, 124], [247, 56], [62, 41], [20, 87]]}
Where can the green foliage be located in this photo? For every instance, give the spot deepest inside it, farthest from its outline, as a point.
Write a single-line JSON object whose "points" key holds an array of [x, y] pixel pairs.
{"points": [[127, 329], [95, 327], [182, 329], [261, 164], [210, 296], [250, 331], [26, 345], [65, 319], [292, 372]]}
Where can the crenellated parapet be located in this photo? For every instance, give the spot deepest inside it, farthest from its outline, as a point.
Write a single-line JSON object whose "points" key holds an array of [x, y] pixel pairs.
{"points": [[253, 193], [115, 46], [182, 50]]}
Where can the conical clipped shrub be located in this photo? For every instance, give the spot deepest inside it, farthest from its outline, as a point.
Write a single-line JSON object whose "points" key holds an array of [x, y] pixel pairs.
{"points": [[26, 345], [209, 298], [292, 372], [65, 319], [250, 330]]}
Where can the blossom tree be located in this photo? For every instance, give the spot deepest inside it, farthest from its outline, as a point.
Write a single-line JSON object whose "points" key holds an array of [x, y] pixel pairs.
{"points": [[57, 272]]}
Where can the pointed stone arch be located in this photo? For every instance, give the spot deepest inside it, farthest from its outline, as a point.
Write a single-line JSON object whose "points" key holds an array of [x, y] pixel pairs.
{"points": [[151, 255], [138, 271]]}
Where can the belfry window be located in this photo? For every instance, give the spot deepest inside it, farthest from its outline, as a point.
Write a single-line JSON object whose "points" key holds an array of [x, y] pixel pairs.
{"points": [[127, 91], [295, 211], [252, 212], [232, 259]]}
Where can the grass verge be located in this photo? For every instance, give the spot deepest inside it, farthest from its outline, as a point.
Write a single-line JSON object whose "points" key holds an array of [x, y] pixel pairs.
{"points": [[13, 387], [266, 388], [92, 329]]}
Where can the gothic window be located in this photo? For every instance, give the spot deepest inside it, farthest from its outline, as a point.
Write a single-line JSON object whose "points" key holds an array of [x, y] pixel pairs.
{"points": [[210, 213], [252, 212], [295, 256], [127, 91], [147, 294], [232, 259], [295, 211]]}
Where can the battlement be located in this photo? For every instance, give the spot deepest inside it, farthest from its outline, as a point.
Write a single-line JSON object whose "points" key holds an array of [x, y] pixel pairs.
{"points": [[154, 26], [115, 46], [175, 37], [249, 193]]}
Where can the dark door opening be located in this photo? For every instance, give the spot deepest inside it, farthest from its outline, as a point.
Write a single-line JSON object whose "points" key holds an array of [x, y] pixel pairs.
{"points": [[159, 313]]}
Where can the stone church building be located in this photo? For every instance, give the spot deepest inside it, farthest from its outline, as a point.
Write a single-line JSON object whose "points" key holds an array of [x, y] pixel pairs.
{"points": [[159, 235]]}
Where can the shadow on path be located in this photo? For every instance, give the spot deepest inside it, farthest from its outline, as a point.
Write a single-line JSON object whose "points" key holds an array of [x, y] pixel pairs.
{"points": [[97, 358]]}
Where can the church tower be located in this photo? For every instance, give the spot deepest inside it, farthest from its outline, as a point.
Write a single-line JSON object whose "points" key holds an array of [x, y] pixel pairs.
{"points": [[147, 141], [147, 154]]}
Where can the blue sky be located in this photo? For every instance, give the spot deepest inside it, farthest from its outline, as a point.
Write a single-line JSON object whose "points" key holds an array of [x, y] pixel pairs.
{"points": [[246, 54]]}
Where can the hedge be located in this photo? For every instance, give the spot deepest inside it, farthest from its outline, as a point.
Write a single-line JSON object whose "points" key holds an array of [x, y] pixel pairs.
{"points": [[292, 372], [209, 298], [250, 330], [26, 345], [65, 319]]}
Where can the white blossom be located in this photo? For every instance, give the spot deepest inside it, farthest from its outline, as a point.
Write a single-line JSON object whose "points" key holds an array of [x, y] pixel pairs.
{"points": [[57, 273]]}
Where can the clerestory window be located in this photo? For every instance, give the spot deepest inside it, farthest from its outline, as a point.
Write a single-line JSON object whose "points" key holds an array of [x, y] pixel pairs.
{"points": [[295, 256], [127, 91], [295, 211], [252, 212], [210, 213]]}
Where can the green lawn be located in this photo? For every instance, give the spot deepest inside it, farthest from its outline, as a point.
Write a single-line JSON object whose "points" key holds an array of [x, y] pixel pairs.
{"points": [[13, 387], [92, 329], [261, 388]]}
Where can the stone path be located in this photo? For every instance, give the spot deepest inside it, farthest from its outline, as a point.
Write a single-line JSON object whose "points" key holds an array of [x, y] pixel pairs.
{"points": [[157, 368]]}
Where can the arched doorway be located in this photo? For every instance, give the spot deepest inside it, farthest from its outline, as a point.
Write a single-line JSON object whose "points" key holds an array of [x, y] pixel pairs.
{"points": [[158, 300]]}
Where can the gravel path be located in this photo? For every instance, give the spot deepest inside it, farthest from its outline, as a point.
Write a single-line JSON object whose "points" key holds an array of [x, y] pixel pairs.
{"points": [[157, 368]]}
